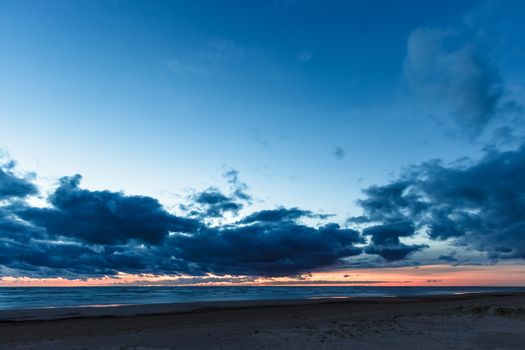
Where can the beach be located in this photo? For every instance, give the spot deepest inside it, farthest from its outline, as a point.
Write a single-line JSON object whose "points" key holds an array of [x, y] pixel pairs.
{"points": [[468, 321]]}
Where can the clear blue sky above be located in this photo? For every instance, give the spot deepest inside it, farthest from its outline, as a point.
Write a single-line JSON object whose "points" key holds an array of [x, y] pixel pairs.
{"points": [[310, 101]]}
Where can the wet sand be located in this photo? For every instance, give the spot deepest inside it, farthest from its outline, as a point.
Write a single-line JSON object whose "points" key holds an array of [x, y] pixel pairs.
{"points": [[473, 321]]}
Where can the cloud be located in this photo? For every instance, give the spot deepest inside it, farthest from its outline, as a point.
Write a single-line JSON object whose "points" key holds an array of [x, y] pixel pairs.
{"points": [[12, 186], [266, 249], [281, 215], [260, 249], [447, 258], [238, 188], [444, 67], [385, 240], [476, 204], [212, 203], [339, 153], [215, 203], [104, 217], [84, 233]]}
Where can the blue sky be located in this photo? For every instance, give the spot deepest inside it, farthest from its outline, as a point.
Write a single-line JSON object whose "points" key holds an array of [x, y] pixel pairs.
{"points": [[161, 98], [158, 96]]}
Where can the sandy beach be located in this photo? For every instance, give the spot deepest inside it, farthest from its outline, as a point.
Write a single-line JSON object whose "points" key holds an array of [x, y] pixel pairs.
{"points": [[474, 321]]}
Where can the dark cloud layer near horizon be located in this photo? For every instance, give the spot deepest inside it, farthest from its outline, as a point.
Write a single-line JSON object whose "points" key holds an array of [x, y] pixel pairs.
{"points": [[267, 249], [479, 205], [95, 233]]}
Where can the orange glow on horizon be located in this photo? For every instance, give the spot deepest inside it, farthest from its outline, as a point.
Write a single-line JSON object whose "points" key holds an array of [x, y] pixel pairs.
{"points": [[429, 275]]}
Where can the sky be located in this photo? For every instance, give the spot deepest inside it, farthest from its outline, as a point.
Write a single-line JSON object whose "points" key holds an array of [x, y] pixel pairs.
{"points": [[262, 142]]}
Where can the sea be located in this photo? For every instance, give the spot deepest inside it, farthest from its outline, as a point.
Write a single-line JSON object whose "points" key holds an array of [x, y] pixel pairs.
{"points": [[55, 297]]}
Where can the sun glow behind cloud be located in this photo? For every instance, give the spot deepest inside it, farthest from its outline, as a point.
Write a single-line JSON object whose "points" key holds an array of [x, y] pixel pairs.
{"points": [[429, 275]]}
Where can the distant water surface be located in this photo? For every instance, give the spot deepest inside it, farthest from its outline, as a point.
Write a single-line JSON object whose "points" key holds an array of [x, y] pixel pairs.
{"points": [[46, 297]]}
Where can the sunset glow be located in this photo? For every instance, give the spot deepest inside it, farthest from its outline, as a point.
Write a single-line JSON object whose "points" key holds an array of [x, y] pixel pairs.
{"points": [[428, 275]]}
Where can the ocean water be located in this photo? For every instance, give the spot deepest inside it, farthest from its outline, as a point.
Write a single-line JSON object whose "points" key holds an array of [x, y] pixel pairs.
{"points": [[47, 297]]}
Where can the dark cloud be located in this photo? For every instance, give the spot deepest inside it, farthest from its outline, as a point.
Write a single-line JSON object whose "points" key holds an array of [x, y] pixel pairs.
{"points": [[253, 250], [447, 258], [41, 258], [479, 205], [12, 186], [385, 240], [104, 217], [444, 67], [215, 203], [212, 203], [84, 233], [266, 248], [386, 203], [238, 188], [13, 228], [339, 153], [281, 215], [67, 259]]}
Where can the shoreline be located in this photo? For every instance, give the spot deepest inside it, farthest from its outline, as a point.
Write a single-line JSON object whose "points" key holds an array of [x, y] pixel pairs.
{"points": [[131, 310]]}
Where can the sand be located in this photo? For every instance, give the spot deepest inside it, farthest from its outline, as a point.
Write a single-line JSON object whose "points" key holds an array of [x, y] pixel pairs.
{"points": [[474, 321]]}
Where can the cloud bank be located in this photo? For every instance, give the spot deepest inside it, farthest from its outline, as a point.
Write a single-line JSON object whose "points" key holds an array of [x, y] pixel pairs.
{"points": [[98, 233], [477, 205]]}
